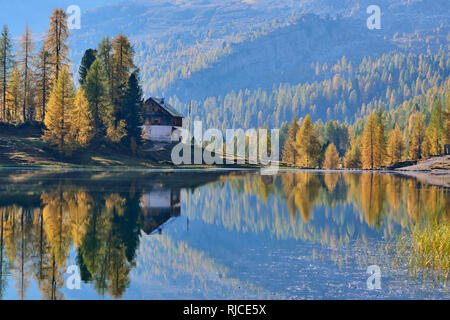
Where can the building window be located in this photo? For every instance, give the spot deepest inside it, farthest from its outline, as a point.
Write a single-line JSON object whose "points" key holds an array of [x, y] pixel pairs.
{"points": [[156, 120], [155, 109]]}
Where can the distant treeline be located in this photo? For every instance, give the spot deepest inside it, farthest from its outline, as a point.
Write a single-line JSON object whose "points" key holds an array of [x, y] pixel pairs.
{"points": [[341, 91], [335, 145]]}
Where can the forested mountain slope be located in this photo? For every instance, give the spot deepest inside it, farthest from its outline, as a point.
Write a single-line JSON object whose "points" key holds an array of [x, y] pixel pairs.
{"points": [[243, 62], [208, 50]]}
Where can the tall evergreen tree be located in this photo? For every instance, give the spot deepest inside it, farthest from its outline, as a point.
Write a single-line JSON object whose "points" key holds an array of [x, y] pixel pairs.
{"points": [[417, 137], [95, 91], [352, 157], [368, 154], [307, 144], [434, 137], [60, 105], [133, 112], [42, 81], [81, 121], [25, 59], [331, 160], [90, 55], [104, 55], [6, 64], [122, 66], [55, 41], [447, 119], [395, 146], [14, 96], [380, 138], [289, 150]]}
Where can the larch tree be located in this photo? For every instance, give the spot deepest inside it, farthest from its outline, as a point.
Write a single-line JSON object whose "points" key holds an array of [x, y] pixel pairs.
{"points": [[307, 144], [25, 59], [81, 121], [289, 150], [380, 139], [6, 64], [434, 137], [352, 158], [395, 146], [59, 109], [55, 41], [104, 56], [426, 146], [42, 81], [447, 119], [417, 137], [368, 154], [122, 66], [331, 160], [13, 97]]}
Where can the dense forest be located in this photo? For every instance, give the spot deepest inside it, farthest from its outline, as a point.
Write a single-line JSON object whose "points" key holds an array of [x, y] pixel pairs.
{"points": [[385, 110], [342, 92], [334, 145], [106, 106]]}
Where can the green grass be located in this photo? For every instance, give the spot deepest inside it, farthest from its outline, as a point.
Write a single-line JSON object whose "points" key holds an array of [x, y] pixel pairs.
{"points": [[426, 251]]}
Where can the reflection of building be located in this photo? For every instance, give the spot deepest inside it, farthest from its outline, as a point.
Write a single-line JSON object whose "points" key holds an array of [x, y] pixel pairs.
{"points": [[158, 206]]}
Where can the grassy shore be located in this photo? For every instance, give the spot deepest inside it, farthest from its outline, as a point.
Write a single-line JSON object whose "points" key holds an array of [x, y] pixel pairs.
{"points": [[426, 251], [22, 146]]}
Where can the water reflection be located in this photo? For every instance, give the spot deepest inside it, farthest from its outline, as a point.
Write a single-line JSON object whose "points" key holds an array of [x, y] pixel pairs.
{"points": [[158, 206], [100, 219]]}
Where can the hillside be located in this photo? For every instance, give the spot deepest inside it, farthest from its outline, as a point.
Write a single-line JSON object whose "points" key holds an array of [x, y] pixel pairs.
{"points": [[243, 63], [202, 50], [23, 146]]}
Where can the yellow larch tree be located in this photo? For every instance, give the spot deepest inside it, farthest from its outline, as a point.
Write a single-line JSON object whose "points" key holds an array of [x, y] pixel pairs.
{"points": [[395, 146], [417, 136], [307, 144], [368, 143], [331, 160], [81, 121], [59, 108]]}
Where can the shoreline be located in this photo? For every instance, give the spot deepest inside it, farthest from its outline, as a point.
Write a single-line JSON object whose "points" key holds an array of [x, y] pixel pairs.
{"points": [[428, 176]]}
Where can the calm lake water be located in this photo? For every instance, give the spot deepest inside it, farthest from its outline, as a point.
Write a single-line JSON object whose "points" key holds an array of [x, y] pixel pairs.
{"points": [[210, 235]]}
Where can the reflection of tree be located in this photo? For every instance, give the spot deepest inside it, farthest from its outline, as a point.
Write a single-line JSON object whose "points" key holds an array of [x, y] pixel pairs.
{"points": [[303, 193], [372, 197], [436, 203], [107, 252], [288, 182], [79, 205], [4, 266], [265, 187], [58, 232], [104, 227], [165, 261], [23, 251], [360, 201], [394, 192], [43, 260], [331, 179], [306, 192], [414, 200]]}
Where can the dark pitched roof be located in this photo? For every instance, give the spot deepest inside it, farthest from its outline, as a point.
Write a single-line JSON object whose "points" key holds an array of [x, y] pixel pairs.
{"points": [[163, 104]]}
